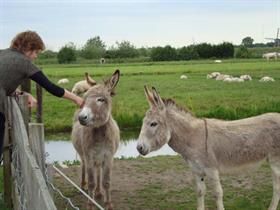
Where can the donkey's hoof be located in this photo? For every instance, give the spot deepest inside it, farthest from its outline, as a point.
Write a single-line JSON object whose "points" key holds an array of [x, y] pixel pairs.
{"points": [[109, 206], [83, 186], [98, 196], [89, 206]]}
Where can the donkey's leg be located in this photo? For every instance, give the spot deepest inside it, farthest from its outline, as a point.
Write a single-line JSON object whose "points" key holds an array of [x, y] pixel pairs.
{"points": [[91, 183], [106, 182], [97, 193], [214, 181], [83, 181], [200, 191], [275, 167]]}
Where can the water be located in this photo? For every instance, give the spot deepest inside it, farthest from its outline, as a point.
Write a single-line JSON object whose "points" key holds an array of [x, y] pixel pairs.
{"points": [[64, 150]]}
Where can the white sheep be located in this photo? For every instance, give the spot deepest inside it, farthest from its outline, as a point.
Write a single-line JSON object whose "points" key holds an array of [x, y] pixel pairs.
{"points": [[213, 75], [63, 81], [223, 77], [233, 79], [84, 85], [246, 77], [270, 55], [266, 79], [183, 76], [218, 61]]}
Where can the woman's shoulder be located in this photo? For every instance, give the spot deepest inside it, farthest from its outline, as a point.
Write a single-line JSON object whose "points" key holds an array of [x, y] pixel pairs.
{"points": [[14, 56]]}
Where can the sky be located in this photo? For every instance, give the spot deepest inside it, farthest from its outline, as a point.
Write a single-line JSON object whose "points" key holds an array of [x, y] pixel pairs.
{"points": [[144, 23]]}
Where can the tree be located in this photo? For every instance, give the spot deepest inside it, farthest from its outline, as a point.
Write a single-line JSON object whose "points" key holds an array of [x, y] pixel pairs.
{"points": [[126, 50], [187, 53], [242, 52], [204, 50], [47, 54], [247, 41], [224, 50], [67, 54], [94, 48], [166, 53]]}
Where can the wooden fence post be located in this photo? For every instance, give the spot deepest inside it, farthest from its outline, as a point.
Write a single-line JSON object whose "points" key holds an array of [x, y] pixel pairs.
{"points": [[37, 144], [39, 94], [25, 111], [7, 160]]}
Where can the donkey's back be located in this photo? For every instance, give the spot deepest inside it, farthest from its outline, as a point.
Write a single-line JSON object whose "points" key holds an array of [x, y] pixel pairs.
{"points": [[241, 142]]}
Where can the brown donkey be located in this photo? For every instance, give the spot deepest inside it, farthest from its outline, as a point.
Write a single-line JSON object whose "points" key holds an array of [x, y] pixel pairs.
{"points": [[211, 145], [96, 136]]}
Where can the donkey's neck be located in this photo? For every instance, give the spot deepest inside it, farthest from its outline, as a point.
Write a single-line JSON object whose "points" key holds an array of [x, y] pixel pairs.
{"points": [[186, 132], [103, 129]]}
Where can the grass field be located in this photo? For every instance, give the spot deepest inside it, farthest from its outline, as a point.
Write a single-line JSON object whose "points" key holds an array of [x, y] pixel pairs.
{"points": [[205, 98]]}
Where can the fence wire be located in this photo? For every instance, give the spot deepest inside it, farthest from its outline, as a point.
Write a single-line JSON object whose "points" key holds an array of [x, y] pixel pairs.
{"points": [[55, 189], [18, 179]]}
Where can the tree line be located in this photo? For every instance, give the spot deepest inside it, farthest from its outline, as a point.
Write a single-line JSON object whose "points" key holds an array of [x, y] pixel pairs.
{"points": [[95, 48]]}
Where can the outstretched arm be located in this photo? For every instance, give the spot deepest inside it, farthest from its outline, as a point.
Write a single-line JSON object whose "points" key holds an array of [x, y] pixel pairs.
{"points": [[43, 81]]}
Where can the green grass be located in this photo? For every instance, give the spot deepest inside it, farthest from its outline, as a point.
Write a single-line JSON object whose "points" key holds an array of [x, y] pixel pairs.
{"points": [[2, 205], [166, 182], [205, 98], [154, 195]]}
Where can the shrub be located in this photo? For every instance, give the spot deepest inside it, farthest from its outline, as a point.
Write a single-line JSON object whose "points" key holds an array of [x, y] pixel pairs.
{"points": [[66, 54], [187, 53], [242, 52], [126, 50], [166, 53], [224, 50], [94, 48], [204, 50]]}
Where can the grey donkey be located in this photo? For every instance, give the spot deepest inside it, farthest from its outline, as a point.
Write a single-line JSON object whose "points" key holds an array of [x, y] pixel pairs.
{"points": [[211, 146], [95, 136]]}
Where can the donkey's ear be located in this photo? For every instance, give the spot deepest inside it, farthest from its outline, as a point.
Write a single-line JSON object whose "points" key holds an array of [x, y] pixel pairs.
{"points": [[157, 99], [149, 96], [112, 82], [89, 80]]}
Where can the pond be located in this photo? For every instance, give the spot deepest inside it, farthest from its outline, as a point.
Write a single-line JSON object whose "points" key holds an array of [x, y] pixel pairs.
{"points": [[63, 150]]}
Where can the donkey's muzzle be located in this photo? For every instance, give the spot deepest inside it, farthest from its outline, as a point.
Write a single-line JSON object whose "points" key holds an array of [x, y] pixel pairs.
{"points": [[83, 119], [141, 150]]}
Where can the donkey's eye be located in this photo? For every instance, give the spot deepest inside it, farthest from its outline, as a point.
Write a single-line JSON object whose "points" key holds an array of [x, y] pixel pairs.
{"points": [[153, 124], [101, 99]]}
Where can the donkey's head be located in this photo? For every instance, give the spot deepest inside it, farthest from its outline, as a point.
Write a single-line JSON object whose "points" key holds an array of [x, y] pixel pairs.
{"points": [[154, 132], [98, 102]]}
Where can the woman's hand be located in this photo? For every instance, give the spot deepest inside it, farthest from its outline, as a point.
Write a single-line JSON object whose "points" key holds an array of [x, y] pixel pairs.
{"points": [[32, 102], [80, 102], [76, 99]]}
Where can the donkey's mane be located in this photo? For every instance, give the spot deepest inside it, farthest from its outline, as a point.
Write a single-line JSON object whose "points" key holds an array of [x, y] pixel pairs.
{"points": [[170, 103]]}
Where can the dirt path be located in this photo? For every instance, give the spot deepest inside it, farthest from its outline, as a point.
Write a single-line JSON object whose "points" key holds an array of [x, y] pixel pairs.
{"points": [[167, 183]]}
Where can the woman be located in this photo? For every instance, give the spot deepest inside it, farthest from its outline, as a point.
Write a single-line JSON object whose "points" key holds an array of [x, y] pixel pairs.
{"points": [[16, 66]]}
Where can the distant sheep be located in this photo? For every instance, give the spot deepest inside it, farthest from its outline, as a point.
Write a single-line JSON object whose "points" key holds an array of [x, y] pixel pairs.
{"points": [[63, 81], [246, 77], [223, 77], [266, 79], [183, 77], [84, 85], [233, 79], [218, 61], [213, 75], [102, 60], [270, 55]]}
